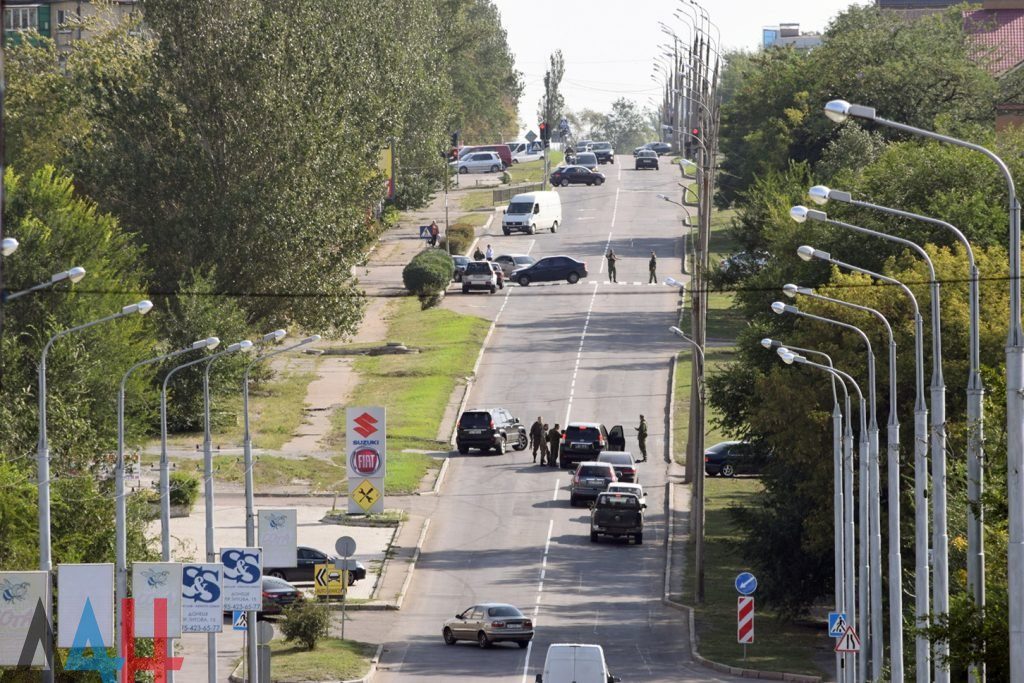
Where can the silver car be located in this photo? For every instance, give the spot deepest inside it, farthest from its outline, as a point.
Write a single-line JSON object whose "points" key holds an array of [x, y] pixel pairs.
{"points": [[513, 262], [489, 623], [479, 162], [590, 480]]}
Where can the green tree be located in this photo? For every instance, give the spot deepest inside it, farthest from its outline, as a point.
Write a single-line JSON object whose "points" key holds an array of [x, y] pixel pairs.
{"points": [[626, 126], [552, 104]]}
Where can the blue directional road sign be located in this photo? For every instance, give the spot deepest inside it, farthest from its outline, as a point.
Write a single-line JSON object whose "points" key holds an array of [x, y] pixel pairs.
{"points": [[746, 584], [837, 624]]}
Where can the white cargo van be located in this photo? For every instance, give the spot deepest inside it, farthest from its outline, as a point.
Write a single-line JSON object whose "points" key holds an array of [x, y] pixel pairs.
{"points": [[531, 212], [575, 663], [526, 151]]}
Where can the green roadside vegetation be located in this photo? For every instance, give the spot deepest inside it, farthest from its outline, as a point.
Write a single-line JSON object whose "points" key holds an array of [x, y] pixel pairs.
{"points": [[474, 200], [333, 659], [474, 220], [532, 171]]}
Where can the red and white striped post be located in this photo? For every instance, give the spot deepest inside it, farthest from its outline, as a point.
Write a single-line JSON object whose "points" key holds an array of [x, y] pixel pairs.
{"points": [[745, 621]]}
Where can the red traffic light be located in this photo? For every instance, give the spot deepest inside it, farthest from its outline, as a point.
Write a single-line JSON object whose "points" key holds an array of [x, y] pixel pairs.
{"points": [[695, 132]]}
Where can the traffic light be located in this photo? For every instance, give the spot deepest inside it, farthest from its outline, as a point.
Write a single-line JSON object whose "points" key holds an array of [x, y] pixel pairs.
{"points": [[455, 139], [695, 132], [545, 134]]}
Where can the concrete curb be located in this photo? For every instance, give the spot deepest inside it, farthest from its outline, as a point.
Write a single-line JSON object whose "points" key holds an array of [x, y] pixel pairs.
{"points": [[412, 565], [666, 600], [670, 419], [440, 478]]}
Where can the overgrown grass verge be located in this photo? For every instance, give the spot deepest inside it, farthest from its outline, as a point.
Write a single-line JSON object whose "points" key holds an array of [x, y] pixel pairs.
{"points": [[415, 387], [332, 659], [532, 171], [778, 645], [716, 357], [474, 200]]}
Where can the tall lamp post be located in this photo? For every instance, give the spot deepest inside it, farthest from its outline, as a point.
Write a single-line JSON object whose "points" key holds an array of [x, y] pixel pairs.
{"points": [[72, 275], [120, 502], [841, 110], [43, 452]]}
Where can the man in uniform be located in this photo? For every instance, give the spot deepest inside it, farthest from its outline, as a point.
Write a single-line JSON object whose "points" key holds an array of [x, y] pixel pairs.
{"points": [[641, 436], [612, 258], [653, 266], [554, 437], [536, 437]]}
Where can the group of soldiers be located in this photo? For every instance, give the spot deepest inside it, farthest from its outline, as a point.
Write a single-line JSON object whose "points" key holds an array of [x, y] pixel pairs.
{"points": [[546, 441], [612, 257]]}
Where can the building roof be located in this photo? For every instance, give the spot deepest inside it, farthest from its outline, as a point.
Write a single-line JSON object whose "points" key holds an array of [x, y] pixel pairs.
{"points": [[1000, 33]]}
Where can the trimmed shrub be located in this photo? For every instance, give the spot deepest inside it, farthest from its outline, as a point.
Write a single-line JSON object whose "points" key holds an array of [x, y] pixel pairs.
{"points": [[461, 236], [428, 275], [184, 489], [306, 622]]}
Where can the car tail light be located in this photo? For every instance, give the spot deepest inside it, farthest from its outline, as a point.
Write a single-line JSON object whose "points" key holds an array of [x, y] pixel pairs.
{"points": [[492, 424], [527, 624], [707, 459], [600, 440], [576, 478], [497, 624], [563, 436], [628, 470], [267, 595]]}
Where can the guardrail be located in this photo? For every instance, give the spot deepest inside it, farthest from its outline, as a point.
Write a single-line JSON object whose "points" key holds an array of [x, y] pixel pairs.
{"points": [[504, 195]]}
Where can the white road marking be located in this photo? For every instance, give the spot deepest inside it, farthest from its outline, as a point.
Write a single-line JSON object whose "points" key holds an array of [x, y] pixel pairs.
{"points": [[615, 208], [554, 496], [607, 246], [530, 248], [540, 591], [579, 354]]}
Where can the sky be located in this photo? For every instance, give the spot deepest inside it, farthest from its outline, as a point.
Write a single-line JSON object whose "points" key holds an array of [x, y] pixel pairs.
{"points": [[609, 46]]}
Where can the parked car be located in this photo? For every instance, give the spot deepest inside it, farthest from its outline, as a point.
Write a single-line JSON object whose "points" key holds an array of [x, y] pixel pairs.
{"points": [[460, 262], [646, 158], [489, 623], [487, 428], [576, 175], [587, 160], [617, 515], [306, 561], [503, 151], [590, 479], [551, 269], [623, 462], [604, 152], [730, 458], [585, 441], [479, 162], [532, 211], [626, 487], [512, 262], [526, 151], [277, 594], [479, 275], [575, 663]]}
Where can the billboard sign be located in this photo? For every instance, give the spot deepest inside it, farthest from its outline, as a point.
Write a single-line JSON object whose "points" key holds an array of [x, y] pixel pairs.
{"points": [[202, 598], [20, 594], [150, 581], [279, 537], [243, 578], [366, 457], [84, 588]]}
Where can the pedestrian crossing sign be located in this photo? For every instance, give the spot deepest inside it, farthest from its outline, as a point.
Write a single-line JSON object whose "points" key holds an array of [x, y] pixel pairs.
{"points": [[849, 642], [239, 621], [836, 624]]}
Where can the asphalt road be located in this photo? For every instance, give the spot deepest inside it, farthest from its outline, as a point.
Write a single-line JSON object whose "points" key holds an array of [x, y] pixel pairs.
{"points": [[503, 530]]}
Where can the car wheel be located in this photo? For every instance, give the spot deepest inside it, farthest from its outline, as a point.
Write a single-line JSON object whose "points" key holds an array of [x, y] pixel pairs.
{"points": [[524, 281], [636, 168], [656, 168], [449, 637], [494, 169], [639, 538], [522, 443], [599, 182], [483, 641], [590, 184], [523, 644], [463, 170], [728, 470], [465, 289], [572, 501], [463, 450], [565, 182], [593, 537], [563, 464], [515, 161], [554, 227], [573, 278], [493, 289], [612, 160], [506, 231], [276, 574], [533, 229], [501, 447]]}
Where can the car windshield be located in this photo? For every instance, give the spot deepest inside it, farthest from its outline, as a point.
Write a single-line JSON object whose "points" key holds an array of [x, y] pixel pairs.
{"points": [[647, 153], [586, 156], [594, 470], [625, 488], [616, 458], [618, 500], [460, 260], [522, 260], [602, 145], [503, 611], [520, 207], [478, 267], [581, 433], [475, 420], [274, 583]]}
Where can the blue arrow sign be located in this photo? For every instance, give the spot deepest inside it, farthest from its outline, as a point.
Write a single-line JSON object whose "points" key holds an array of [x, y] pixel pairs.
{"points": [[836, 624], [746, 584]]}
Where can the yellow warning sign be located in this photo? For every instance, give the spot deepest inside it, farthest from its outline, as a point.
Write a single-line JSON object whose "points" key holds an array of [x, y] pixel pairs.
{"points": [[365, 495], [329, 581]]}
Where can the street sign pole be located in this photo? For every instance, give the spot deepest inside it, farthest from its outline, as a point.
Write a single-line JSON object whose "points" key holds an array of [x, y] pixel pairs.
{"points": [[346, 547]]}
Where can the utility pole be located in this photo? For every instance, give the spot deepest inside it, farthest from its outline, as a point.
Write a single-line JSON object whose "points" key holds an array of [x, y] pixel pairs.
{"points": [[3, 170]]}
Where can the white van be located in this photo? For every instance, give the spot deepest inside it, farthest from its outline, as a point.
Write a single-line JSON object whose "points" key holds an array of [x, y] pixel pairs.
{"points": [[575, 663], [532, 211], [526, 151]]}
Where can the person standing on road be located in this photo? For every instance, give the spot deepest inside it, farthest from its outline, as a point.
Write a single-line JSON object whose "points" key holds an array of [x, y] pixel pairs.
{"points": [[544, 445], [490, 253], [641, 437], [537, 437], [554, 437], [434, 233], [653, 265], [612, 258]]}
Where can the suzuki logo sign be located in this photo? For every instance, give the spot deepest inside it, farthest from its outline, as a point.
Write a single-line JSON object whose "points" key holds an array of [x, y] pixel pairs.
{"points": [[365, 425]]}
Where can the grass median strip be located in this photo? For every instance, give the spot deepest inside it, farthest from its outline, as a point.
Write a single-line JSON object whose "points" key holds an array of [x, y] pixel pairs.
{"points": [[335, 660]]}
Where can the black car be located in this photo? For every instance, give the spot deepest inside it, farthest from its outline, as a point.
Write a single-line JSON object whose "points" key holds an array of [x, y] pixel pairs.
{"points": [[487, 428], [646, 158], [585, 440], [730, 458], [551, 269], [460, 263], [277, 594], [576, 175], [604, 152], [659, 148], [306, 561]]}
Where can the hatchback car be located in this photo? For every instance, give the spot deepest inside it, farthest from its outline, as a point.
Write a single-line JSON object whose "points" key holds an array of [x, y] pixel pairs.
{"points": [[487, 428], [624, 487], [479, 275], [590, 479], [585, 440], [587, 160], [646, 158], [576, 175], [624, 464], [479, 162], [489, 623], [604, 152], [551, 269], [510, 263], [306, 561], [730, 458], [460, 263]]}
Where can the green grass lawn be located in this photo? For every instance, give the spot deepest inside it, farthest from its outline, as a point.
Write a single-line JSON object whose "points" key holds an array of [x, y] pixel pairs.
{"points": [[415, 388], [778, 646], [332, 659], [473, 200], [716, 357], [532, 171], [472, 219]]}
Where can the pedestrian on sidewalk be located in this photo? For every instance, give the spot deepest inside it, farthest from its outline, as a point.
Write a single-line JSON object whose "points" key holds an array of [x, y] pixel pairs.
{"points": [[544, 445], [490, 253], [536, 437], [434, 232], [641, 437], [612, 258], [653, 265], [554, 437]]}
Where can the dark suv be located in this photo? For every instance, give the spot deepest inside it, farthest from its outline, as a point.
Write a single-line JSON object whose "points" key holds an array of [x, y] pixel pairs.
{"points": [[604, 152], [585, 440], [487, 428], [305, 565]]}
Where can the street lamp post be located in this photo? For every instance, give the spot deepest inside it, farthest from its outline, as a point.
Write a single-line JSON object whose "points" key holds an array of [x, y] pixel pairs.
{"points": [[921, 578], [120, 502], [8, 246], [43, 453], [839, 111], [893, 470], [72, 275]]}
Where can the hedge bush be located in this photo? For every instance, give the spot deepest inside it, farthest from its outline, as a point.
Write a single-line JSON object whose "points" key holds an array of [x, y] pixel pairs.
{"points": [[461, 236], [184, 489], [428, 274], [307, 622]]}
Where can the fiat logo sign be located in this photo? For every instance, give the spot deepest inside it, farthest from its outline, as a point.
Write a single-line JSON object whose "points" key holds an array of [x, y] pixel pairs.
{"points": [[366, 461]]}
